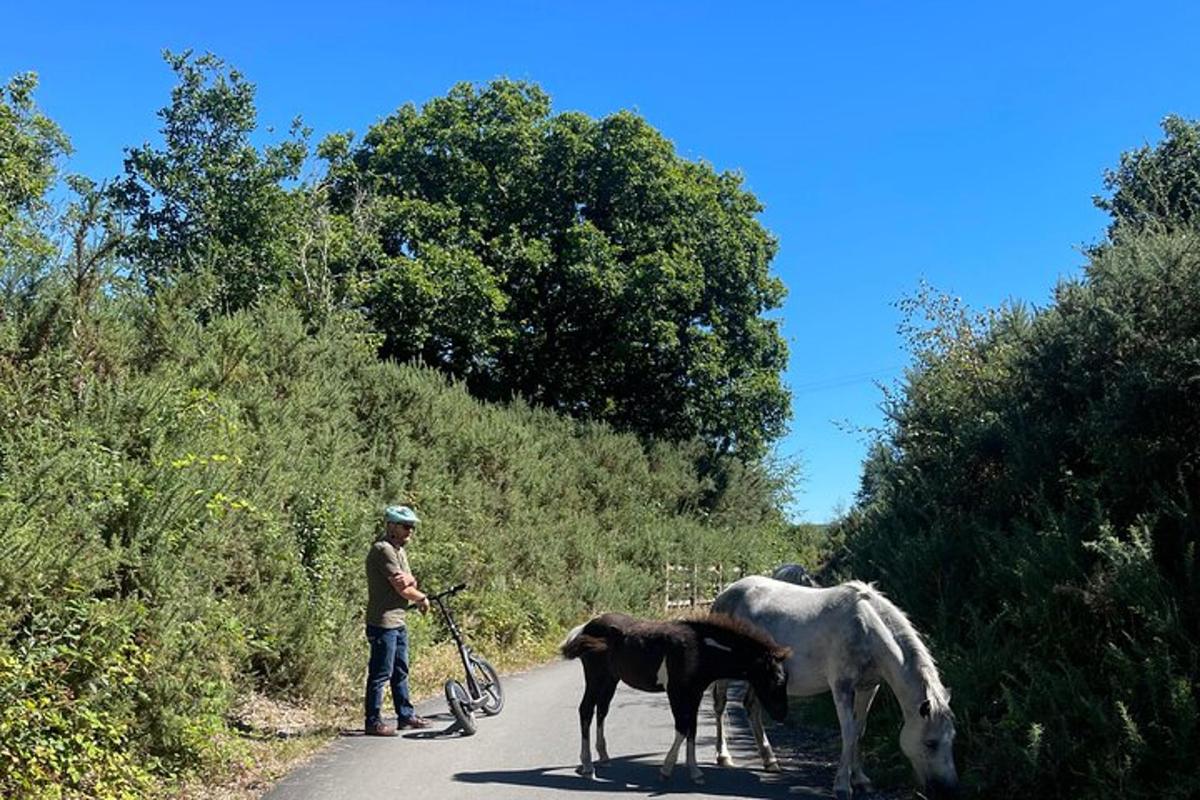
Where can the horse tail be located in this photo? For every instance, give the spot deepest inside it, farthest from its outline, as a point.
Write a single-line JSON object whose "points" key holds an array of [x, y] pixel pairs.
{"points": [[586, 638]]}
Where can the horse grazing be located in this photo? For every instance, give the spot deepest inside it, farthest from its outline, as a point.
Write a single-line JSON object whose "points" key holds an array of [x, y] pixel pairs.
{"points": [[681, 658], [794, 573], [846, 640]]}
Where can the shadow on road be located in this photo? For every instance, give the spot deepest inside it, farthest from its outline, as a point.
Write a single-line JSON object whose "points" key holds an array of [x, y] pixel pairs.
{"points": [[639, 775], [451, 731]]}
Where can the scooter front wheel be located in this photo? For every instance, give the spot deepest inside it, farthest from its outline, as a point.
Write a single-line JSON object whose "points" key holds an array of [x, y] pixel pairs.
{"points": [[460, 706], [490, 690]]}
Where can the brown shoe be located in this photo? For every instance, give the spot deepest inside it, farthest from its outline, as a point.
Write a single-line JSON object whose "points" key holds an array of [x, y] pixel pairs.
{"points": [[414, 722], [380, 729]]}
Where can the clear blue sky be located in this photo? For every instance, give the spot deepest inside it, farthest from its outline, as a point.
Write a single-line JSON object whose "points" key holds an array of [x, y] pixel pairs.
{"points": [[890, 142]]}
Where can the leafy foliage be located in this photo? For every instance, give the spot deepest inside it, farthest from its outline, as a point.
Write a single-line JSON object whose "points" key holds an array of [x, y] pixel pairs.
{"points": [[30, 147], [216, 490], [1156, 187], [1034, 503], [577, 263], [210, 204]]}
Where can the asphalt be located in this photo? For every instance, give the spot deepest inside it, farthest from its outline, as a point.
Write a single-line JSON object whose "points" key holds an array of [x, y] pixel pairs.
{"points": [[530, 751]]}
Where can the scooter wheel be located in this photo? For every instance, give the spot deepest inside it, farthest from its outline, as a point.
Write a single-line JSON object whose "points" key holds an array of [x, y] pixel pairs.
{"points": [[460, 707], [489, 686]]}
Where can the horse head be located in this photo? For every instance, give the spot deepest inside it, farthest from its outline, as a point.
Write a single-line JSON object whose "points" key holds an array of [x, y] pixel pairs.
{"points": [[928, 740], [769, 680]]}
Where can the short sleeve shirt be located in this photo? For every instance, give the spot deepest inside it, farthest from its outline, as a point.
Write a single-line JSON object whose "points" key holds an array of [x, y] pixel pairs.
{"points": [[385, 607]]}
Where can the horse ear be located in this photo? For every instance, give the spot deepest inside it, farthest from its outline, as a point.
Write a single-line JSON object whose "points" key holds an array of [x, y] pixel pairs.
{"points": [[925, 707], [782, 654]]}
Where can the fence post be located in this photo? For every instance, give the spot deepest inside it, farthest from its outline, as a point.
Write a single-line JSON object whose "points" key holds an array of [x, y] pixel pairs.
{"points": [[666, 587]]}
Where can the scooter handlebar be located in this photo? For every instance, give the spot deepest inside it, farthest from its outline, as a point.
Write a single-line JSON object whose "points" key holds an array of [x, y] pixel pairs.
{"points": [[451, 591]]}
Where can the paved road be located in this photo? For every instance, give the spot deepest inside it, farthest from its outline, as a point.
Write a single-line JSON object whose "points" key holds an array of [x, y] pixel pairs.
{"points": [[531, 749]]}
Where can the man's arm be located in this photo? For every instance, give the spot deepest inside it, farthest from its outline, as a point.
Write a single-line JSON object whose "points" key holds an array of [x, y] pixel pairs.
{"points": [[406, 586]]}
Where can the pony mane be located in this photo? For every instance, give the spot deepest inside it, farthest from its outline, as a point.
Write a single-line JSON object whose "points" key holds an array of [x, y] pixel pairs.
{"points": [[740, 627], [911, 644]]}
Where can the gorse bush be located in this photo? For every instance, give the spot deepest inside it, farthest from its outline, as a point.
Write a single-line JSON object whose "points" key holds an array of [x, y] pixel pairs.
{"points": [[1035, 504], [188, 523]]}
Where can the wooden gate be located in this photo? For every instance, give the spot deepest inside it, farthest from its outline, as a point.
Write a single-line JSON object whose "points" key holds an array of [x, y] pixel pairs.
{"points": [[692, 586]]}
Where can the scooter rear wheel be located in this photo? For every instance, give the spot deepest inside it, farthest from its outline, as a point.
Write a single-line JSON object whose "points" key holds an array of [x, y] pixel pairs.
{"points": [[460, 707]]}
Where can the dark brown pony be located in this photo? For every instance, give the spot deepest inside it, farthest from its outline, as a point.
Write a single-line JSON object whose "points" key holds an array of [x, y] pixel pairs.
{"points": [[681, 658]]}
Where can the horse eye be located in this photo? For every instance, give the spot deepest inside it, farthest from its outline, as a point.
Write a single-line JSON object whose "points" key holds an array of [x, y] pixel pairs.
{"points": [[932, 744]]}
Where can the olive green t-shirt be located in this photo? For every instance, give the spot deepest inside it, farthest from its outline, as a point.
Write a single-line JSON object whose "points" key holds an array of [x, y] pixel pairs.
{"points": [[385, 606]]}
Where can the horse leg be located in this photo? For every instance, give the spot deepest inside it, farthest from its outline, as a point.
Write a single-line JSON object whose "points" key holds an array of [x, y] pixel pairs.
{"points": [[692, 712], [862, 706], [592, 678], [720, 694], [602, 703], [843, 700], [754, 713], [668, 765], [685, 706]]}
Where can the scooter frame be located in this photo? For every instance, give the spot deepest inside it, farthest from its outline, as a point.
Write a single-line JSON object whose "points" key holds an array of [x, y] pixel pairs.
{"points": [[465, 700]]}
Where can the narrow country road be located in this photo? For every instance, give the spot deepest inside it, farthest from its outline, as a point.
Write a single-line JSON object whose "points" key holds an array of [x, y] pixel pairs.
{"points": [[531, 749]]}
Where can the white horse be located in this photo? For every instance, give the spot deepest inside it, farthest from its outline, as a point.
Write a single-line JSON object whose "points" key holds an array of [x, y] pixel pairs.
{"points": [[846, 640]]}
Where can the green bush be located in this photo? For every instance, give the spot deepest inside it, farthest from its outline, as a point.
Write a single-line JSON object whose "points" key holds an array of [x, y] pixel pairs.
{"points": [[1034, 507], [198, 510]]}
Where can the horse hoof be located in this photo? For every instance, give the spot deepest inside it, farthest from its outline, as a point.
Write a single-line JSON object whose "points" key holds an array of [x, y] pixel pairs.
{"points": [[724, 761], [773, 766], [861, 791], [698, 778], [841, 794], [582, 771], [663, 777]]}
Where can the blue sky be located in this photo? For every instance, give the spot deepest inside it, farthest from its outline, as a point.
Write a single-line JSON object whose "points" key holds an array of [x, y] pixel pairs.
{"points": [[956, 143]]}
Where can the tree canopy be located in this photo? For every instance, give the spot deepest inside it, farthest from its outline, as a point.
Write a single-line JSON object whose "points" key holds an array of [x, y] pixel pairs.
{"points": [[1156, 186], [30, 146], [208, 203], [579, 263]]}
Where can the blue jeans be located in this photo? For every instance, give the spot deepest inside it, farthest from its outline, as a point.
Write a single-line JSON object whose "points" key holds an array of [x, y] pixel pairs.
{"points": [[388, 664]]}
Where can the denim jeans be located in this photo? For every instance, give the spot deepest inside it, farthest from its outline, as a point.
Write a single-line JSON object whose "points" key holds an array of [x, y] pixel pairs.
{"points": [[388, 664]]}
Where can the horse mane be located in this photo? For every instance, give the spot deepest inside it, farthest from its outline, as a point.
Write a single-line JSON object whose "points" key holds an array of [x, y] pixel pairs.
{"points": [[741, 627], [910, 642]]}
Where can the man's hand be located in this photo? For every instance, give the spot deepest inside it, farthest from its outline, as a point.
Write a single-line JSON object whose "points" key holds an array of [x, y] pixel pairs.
{"points": [[423, 605]]}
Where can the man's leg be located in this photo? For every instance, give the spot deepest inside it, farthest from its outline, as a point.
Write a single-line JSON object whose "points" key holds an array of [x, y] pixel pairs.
{"points": [[379, 668], [400, 698]]}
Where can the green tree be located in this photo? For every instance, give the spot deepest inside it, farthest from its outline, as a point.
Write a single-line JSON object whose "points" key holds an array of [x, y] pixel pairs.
{"points": [[1156, 186], [579, 263], [30, 147], [210, 204]]}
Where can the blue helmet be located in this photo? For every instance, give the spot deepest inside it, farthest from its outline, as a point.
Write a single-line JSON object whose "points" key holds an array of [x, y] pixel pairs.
{"points": [[402, 514]]}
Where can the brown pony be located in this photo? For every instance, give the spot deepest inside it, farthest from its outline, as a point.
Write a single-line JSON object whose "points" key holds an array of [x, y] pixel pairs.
{"points": [[681, 658]]}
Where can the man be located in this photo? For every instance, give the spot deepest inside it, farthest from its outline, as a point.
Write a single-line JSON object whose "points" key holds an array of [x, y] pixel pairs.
{"points": [[391, 591]]}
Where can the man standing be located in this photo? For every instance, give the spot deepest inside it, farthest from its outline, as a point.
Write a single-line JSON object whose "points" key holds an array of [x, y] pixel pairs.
{"points": [[391, 591]]}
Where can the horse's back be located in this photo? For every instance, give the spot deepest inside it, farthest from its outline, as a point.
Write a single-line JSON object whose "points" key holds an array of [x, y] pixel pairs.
{"points": [[757, 594], [822, 626]]}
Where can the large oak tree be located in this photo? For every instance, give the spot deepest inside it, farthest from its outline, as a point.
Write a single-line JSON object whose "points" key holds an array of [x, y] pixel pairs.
{"points": [[579, 263]]}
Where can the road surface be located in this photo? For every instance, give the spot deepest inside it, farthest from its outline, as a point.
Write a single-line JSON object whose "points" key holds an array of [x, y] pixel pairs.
{"points": [[530, 751]]}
